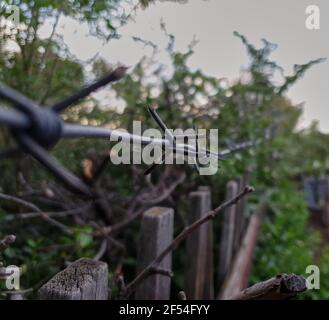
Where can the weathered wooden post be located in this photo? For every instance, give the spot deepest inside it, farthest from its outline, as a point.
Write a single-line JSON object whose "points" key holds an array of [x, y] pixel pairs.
{"points": [[199, 256], [227, 236], [209, 293], [156, 234], [84, 279], [240, 221], [238, 276]]}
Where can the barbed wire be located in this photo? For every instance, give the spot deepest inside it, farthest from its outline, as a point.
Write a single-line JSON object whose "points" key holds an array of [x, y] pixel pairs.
{"points": [[37, 129]]}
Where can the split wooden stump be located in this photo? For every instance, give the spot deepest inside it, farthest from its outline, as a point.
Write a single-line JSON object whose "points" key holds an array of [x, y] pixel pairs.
{"points": [[85, 279]]}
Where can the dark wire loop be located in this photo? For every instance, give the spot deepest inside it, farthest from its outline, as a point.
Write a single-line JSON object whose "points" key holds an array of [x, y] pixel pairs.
{"points": [[38, 128], [46, 128], [42, 124]]}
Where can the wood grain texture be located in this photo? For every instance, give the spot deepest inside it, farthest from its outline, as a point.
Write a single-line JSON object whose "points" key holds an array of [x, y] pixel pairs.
{"points": [[226, 247], [238, 277], [199, 257], [280, 287], [85, 279], [240, 219], [156, 234], [209, 291]]}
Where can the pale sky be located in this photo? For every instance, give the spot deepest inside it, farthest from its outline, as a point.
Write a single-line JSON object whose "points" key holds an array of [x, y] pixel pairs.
{"points": [[218, 52]]}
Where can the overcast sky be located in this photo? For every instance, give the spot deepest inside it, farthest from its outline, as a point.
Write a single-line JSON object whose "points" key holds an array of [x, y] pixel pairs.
{"points": [[218, 52]]}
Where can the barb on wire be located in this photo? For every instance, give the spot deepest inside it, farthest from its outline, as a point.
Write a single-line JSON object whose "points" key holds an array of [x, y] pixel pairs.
{"points": [[167, 132], [193, 151], [84, 92]]}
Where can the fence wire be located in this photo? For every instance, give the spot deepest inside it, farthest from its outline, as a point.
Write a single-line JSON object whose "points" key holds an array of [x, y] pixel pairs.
{"points": [[37, 129]]}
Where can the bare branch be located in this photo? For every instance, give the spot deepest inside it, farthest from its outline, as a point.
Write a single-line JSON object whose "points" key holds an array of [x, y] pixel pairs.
{"points": [[182, 236], [280, 287], [162, 271], [59, 214], [101, 250], [33, 207]]}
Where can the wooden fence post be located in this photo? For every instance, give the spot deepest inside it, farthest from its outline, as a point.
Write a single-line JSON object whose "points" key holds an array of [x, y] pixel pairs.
{"points": [[209, 293], [199, 247], [240, 220], [85, 279], [156, 234], [227, 235], [238, 276]]}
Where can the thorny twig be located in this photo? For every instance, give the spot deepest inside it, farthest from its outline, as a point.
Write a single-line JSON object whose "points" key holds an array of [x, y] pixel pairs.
{"points": [[182, 236]]}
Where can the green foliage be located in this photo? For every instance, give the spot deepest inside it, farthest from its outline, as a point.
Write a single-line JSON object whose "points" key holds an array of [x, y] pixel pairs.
{"points": [[103, 16], [285, 244]]}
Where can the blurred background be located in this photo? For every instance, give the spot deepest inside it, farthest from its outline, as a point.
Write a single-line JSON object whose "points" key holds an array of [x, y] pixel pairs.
{"points": [[246, 68]]}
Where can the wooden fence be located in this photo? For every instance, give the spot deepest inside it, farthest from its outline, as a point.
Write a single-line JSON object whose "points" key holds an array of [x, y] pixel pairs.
{"points": [[87, 279]]}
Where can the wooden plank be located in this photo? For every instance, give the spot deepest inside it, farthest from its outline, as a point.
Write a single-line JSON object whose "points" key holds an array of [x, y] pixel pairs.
{"points": [[209, 291], [85, 279], [198, 282], [227, 234], [156, 234], [238, 277], [240, 220]]}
